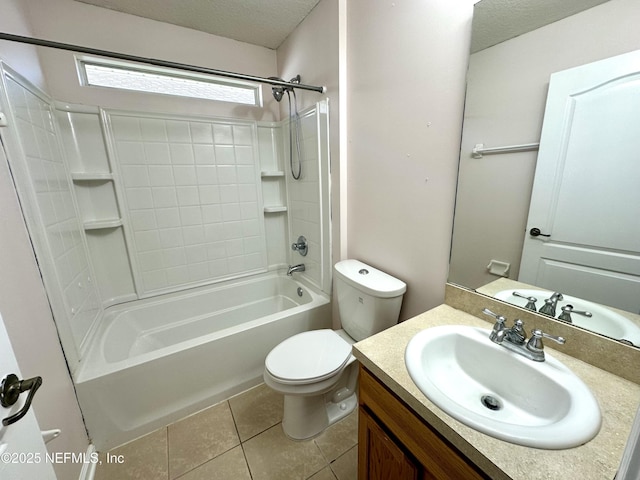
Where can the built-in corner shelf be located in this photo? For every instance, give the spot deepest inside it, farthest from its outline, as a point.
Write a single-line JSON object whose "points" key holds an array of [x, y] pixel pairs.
{"points": [[272, 190], [91, 176], [271, 173], [102, 224], [275, 209]]}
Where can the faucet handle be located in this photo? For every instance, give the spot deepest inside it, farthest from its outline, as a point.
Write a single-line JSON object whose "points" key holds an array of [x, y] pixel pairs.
{"points": [[537, 333], [535, 344], [531, 301], [567, 310], [301, 246], [497, 334], [499, 318]]}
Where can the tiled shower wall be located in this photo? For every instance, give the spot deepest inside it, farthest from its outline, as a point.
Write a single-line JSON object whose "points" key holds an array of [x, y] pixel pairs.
{"points": [[199, 200], [192, 197], [41, 178]]}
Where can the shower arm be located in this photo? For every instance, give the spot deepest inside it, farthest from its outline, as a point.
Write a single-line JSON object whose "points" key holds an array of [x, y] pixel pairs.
{"points": [[158, 63]]}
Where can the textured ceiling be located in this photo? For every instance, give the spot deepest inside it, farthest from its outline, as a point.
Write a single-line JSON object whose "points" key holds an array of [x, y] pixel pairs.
{"points": [[269, 22], [495, 21], [260, 22]]}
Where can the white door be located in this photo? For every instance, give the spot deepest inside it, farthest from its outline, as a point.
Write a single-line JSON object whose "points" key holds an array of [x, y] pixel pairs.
{"points": [[586, 192], [22, 450]]}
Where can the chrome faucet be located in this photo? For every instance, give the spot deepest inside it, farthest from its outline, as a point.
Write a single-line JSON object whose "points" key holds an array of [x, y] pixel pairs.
{"points": [[516, 334], [295, 268], [550, 304], [515, 338]]}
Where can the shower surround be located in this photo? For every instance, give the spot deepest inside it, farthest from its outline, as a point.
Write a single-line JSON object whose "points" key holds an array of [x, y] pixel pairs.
{"points": [[190, 191], [126, 207]]}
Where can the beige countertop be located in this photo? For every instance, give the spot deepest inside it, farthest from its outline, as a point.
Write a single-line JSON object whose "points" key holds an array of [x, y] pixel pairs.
{"points": [[383, 355]]}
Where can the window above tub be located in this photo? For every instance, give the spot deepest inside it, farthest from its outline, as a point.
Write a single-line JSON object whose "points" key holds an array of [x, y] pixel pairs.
{"points": [[139, 77]]}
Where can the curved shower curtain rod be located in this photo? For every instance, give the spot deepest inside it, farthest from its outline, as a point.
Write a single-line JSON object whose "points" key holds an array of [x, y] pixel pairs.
{"points": [[159, 63]]}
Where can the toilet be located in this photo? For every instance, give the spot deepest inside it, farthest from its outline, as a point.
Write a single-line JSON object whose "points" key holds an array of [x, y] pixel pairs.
{"points": [[315, 370]]}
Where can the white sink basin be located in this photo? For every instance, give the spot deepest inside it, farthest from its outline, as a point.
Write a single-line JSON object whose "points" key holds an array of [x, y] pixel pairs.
{"points": [[604, 321], [535, 404]]}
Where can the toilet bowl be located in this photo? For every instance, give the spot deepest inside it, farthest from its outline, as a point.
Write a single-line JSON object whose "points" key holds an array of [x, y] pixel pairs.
{"points": [[315, 370], [307, 369]]}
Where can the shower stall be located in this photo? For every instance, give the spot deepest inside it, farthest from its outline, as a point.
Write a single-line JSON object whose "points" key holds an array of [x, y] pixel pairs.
{"points": [[163, 242]]}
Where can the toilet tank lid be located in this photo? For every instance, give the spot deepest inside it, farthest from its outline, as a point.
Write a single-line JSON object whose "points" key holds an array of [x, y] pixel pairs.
{"points": [[369, 280]]}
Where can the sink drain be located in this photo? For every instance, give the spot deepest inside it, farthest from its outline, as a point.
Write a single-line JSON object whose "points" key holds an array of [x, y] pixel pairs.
{"points": [[491, 402]]}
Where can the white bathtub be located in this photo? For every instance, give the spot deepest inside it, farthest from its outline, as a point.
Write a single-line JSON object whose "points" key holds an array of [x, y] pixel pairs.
{"points": [[155, 361]]}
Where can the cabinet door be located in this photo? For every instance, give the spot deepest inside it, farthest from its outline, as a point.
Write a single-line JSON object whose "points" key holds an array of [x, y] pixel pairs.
{"points": [[380, 456], [418, 451]]}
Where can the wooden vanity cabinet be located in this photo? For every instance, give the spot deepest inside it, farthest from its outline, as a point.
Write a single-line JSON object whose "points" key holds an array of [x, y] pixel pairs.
{"points": [[396, 444]]}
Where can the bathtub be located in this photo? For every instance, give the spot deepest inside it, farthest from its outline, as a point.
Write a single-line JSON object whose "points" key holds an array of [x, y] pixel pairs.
{"points": [[154, 361]]}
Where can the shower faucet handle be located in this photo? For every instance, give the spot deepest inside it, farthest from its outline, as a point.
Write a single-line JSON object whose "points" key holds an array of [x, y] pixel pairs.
{"points": [[301, 246]]}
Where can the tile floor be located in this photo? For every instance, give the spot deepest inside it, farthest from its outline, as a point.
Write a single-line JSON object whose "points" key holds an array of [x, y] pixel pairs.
{"points": [[238, 439]]}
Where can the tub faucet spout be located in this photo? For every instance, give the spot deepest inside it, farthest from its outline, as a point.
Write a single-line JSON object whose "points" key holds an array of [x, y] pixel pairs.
{"points": [[295, 268]]}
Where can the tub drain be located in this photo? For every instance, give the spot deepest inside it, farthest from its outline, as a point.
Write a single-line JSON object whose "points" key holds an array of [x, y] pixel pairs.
{"points": [[492, 403]]}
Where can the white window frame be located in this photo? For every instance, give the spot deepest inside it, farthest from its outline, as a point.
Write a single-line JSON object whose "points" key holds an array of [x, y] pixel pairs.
{"points": [[255, 98]]}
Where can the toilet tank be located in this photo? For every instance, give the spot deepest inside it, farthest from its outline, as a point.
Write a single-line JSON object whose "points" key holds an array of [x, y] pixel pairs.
{"points": [[369, 300]]}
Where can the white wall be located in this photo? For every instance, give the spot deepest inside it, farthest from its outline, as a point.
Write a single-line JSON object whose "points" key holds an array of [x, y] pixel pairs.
{"points": [[312, 51], [23, 58], [23, 301], [406, 65], [504, 106], [77, 23]]}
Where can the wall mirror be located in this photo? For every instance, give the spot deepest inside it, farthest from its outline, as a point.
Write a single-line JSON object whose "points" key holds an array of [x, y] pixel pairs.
{"points": [[516, 46]]}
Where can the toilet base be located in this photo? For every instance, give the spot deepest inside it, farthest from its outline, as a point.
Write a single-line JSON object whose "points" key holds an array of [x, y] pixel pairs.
{"points": [[310, 408], [307, 416]]}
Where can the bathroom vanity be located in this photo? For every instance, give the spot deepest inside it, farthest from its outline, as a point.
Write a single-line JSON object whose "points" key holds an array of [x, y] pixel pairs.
{"points": [[402, 431], [395, 442]]}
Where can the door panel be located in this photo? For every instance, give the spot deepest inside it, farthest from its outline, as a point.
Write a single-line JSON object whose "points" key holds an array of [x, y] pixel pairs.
{"points": [[22, 449], [585, 192]]}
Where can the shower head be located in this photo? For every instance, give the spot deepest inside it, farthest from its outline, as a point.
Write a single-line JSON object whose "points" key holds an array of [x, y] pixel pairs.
{"points": [[278, 93], [277, 90]]}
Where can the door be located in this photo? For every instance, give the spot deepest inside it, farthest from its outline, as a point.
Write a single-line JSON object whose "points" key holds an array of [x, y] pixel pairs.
{"points": [[22, 450], [586, 193]]}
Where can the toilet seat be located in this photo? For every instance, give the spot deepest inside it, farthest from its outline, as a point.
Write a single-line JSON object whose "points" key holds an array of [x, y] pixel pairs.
{"points": [[308, 357]]}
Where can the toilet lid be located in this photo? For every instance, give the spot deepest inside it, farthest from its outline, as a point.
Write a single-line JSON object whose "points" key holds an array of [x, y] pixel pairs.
{"points": [[308, 357]]}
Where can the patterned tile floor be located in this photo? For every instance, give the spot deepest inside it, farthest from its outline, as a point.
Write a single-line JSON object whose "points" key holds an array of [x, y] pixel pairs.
{"points": [[238, 439]]}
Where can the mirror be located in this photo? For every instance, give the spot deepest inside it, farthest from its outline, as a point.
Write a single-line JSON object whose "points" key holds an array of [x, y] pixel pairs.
{"points": [[516, 46]]}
